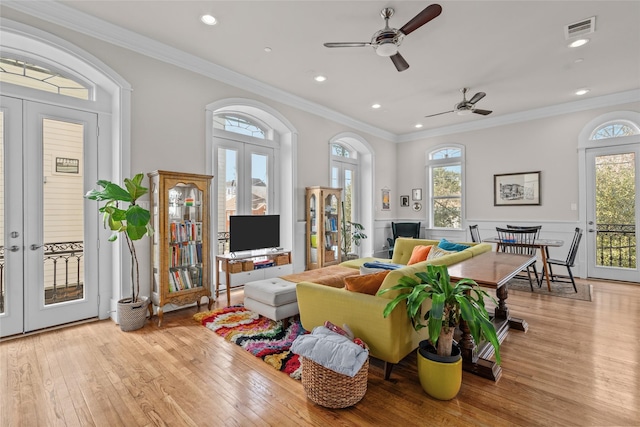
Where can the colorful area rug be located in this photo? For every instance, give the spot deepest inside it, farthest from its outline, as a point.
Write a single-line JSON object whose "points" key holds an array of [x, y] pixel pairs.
{"points": [[558, 289], [260, 336]]}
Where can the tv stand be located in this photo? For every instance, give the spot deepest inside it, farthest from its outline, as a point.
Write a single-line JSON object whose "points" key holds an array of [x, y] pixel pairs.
{"points": [[235, 269]]}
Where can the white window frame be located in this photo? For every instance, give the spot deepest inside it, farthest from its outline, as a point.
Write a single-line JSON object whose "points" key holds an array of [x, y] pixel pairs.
{"points": [[452, 161]]}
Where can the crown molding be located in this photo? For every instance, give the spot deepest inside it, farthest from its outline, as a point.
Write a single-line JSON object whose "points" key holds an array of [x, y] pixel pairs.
{"points": [[67, 17], [524, 116], [60, 14]]}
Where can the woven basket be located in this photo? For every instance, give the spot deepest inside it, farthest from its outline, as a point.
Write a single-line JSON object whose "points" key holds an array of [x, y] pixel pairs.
{"points": [[132, 316], [330, 389]]}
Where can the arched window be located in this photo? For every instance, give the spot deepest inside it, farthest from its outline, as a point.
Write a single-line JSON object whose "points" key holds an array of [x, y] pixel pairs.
{"points": [[26, 74], [445, 167], [247, 155], [614, 129]]}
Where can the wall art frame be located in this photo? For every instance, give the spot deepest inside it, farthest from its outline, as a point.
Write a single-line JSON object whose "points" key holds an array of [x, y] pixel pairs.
{"points": [[517, 189], [404, 201]]}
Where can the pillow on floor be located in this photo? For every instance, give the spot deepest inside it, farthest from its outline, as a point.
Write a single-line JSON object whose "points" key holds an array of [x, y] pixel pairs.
{"points": [[419, 254], [366, 284]]}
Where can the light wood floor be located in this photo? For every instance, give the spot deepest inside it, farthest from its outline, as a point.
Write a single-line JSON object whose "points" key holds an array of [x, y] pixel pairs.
{"points": [[579, 364]]}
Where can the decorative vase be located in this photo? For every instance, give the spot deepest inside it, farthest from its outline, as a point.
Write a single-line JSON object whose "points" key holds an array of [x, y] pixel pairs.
{"points": [[132, 315], [440, 376]]}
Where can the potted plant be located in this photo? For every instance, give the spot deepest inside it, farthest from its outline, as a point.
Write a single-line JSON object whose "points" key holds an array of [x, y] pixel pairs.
{"points": [[449, 304], [352, 232], [133, 223]]}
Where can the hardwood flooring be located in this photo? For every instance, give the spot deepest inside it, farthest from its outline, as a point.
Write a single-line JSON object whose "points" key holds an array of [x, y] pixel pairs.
{"points": [[579, 364]]}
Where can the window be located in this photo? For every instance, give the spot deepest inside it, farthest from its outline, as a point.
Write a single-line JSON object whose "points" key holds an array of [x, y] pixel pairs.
{"points": [[38, 77], [245, 168], [614, 130], [344, 174], [445, 172]]}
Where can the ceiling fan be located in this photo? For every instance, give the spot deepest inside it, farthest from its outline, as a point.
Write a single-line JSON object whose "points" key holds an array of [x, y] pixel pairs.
{"points": [[386, 41], [466, 107]]}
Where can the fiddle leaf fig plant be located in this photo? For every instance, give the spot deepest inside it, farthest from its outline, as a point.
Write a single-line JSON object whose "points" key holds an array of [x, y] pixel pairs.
{"points": [[449, 303], [122, 215]]}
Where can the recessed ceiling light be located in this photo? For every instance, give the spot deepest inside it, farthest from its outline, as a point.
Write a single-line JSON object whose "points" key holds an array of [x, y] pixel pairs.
{"points": [[581, 92], [209, 19], [267, 49], [320, 78], [579, 60], [578, 43], [376, 106], [419, 125]]}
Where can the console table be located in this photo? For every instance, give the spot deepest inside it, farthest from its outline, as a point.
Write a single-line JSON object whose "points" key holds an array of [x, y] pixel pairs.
{"points": [[282, 266], [491, 270]]}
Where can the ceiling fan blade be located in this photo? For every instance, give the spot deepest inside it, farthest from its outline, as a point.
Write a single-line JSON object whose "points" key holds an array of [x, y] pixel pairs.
{"points": [[483, 112], [477, 97], [347, 44], [430, 12], [444, 112], [399, 62]]}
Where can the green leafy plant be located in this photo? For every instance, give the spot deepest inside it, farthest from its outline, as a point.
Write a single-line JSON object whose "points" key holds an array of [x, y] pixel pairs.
{"points": [[132, 222], [449, 303]]}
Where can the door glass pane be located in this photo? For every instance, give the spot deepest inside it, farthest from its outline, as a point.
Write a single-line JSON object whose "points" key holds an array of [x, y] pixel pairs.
{"points": [[259, 184], [335, 178], [2, 283], [615, 177], [63, 211], [227, 194], [447, 196]]}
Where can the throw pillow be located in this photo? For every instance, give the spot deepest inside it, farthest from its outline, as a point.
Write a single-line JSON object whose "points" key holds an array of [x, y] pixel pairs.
{"points": [[419, 254], [437, 252], [366, 284], [450, 246]]}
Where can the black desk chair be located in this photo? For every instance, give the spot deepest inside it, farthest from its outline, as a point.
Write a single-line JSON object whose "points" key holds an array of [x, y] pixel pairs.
{"points": [[402, 229], [475, 234], [569, 262], [520, 241]]}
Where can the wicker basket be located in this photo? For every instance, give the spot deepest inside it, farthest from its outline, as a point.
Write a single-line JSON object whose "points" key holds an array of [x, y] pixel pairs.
{"points": [[234, 266], [132, 316], [282, 259], [330, 389], [247, 265]]}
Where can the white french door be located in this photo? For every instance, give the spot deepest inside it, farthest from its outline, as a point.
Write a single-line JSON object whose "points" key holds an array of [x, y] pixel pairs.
{"points": [[613, 212], [48, 159]]}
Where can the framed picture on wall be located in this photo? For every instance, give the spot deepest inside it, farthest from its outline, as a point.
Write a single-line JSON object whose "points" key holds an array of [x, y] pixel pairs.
{"points": [[386, 199], [404, 201], [516, 189], [416, 193]]}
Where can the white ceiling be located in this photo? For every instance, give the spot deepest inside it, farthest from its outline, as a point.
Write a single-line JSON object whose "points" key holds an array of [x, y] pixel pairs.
{"points": [[515, 51]]}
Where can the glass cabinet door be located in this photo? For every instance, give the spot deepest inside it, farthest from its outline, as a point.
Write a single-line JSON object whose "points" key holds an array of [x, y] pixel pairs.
{"points": [[313, 230], [185, 237], [331, 230]]}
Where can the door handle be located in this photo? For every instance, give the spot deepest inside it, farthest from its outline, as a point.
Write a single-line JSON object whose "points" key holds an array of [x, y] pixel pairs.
{"points": [[35, 247], [14, 248], [591, 230]]}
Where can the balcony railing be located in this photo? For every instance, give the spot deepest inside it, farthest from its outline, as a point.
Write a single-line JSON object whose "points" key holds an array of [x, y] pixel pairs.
{"points": [[223, 242], [616, 245], [63, 272]]}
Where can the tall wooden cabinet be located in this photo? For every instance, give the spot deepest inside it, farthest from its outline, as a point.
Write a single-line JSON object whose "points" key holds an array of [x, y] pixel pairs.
{"points": [[324, 217], [180, 248]]}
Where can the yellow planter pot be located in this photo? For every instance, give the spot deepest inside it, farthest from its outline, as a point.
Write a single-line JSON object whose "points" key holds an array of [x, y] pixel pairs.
{"points": [[441, 380]]}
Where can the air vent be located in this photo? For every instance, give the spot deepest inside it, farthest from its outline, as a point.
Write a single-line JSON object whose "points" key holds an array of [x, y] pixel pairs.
{"points": [[580, 28]]}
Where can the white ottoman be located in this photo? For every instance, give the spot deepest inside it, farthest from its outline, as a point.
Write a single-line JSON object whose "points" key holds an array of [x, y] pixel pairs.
{"points": [[273, 298]]}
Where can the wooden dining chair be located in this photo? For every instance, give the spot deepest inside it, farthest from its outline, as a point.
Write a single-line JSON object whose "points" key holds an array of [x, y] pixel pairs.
{"points": [[475, 234], [568, 263], [520, 241]]}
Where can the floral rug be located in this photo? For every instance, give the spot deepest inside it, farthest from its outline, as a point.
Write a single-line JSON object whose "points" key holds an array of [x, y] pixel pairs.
{"points": [[260, 336]]}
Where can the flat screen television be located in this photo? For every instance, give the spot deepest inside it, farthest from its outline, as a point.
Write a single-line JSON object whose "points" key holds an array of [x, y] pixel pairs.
{"points": [[251, 232]]}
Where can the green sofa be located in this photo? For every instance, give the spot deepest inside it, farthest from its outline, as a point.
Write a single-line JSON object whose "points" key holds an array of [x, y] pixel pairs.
{"points": [[389, 339]]}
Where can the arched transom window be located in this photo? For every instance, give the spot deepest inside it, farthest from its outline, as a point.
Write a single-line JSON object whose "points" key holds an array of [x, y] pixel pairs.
{"points": [[241, 125], [23, 73], [614, 130]]}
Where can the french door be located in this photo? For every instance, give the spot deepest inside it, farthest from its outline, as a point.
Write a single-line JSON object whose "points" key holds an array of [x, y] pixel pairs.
{"points": [[48, 157], [613, 212]]}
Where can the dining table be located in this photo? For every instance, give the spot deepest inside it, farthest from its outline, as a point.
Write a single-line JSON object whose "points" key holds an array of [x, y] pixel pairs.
{"points": [[542, 244]]}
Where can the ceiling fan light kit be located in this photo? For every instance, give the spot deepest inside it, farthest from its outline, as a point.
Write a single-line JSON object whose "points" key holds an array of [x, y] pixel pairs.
{"points": [[385, 42]]}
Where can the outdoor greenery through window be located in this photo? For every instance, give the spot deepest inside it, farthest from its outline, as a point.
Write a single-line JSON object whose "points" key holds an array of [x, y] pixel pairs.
{"points": [[445, 184], [344, 174], [34, 76]]}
